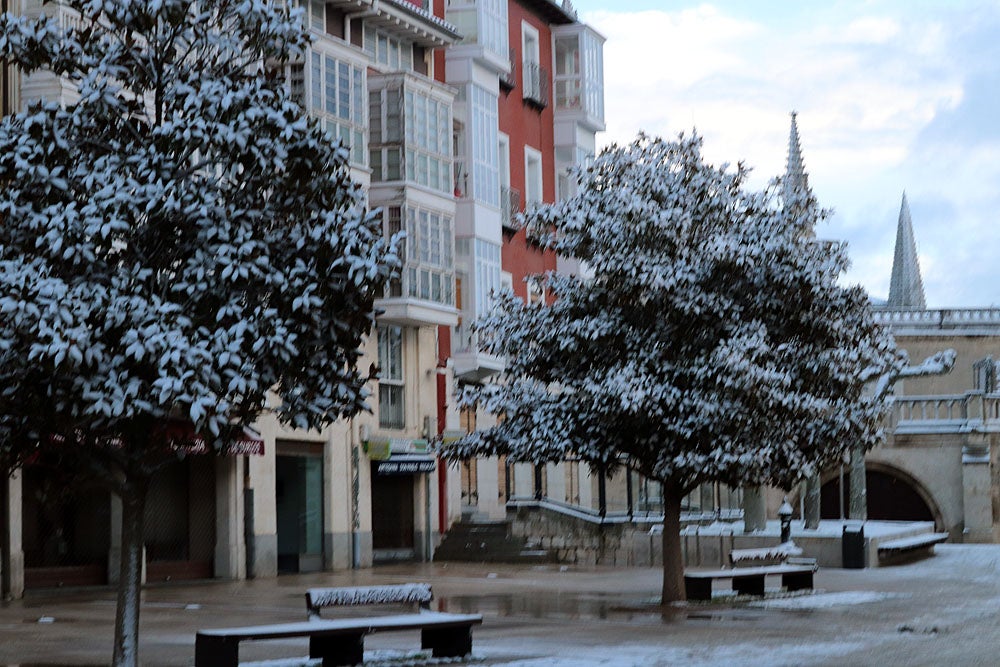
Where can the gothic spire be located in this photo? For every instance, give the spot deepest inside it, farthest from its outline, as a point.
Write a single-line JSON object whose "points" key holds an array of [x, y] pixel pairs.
{"points": [[795, 171], [906, 289]]}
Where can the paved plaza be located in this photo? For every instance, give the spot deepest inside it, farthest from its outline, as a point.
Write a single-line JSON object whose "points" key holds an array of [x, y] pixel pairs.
{"points": [[944, 610]]}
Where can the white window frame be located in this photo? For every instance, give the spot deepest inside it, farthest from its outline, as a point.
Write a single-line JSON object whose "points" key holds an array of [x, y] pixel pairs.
{"points": [[531, 60], [391, 382], [534, 179], [353, 129], [485, 145]]}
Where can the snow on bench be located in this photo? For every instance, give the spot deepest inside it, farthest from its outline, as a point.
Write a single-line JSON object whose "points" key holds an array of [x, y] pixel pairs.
{"points": [[318, 598], [341, 641], [776, 554], [912, 543]]}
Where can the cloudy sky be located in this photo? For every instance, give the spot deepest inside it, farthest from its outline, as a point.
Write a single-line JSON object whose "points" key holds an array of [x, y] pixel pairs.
{"points": [[892, 96]]}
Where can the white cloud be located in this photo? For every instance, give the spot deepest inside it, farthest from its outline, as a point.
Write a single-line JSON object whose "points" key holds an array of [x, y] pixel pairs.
{"points": [[868, 82]]}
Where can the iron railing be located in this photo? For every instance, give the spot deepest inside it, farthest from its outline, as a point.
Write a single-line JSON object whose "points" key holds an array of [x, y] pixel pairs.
{"points": [[536, 84]]}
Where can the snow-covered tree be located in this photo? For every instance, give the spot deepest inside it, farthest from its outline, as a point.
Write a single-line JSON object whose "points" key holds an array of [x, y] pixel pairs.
{"points": [[709, 340], [174, 245]]}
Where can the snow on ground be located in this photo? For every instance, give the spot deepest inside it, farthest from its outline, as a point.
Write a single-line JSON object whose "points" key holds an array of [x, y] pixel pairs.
{"points": [[827, 528], [745, 655], [825, 600]]}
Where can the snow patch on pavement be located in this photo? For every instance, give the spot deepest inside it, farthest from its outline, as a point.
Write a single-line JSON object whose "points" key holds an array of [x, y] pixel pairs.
{"points": [[826, 600]]}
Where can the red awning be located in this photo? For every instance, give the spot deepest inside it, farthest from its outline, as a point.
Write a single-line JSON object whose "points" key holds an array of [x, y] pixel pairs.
{"points": [[247, 442], [180, 435]]}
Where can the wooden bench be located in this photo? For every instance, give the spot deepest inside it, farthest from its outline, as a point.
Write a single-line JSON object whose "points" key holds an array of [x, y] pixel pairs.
{"points": [[341, 641], [748, 580], [909, 546]]}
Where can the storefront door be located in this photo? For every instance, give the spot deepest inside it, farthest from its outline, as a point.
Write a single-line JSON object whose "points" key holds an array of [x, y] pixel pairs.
{"points": [[392, 516], [299, 506]]}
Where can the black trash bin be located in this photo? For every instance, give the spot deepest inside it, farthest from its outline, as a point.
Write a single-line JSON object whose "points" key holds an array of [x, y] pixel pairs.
{"points": [[853, 547]]}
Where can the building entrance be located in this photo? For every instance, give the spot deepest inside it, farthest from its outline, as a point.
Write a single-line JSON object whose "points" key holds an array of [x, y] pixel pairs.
{"points": [[392, 516], [299, 507], [890, 498], [67, 533], [179, 531]]}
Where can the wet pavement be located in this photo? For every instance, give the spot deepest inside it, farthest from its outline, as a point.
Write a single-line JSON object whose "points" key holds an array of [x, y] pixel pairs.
{"points": [[943, 610]]}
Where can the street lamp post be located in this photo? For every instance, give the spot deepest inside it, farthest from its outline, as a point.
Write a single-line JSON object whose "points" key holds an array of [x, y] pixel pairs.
{"points": [[785, 515]]}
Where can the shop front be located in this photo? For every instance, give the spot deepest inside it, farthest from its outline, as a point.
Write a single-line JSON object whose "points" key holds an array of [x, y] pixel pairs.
{"points": [[400, 500], [299, 506]]}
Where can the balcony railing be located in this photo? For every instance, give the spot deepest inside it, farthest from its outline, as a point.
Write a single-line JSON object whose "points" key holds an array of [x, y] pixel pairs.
{"points": [[509, 81], [510, 206], [953, 318], [953, 413], [536, 84]]}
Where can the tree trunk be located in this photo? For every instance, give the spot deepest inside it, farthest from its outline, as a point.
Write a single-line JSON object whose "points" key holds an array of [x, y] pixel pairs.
{"points": [[673, 560], [133, 497], [859, 486]]}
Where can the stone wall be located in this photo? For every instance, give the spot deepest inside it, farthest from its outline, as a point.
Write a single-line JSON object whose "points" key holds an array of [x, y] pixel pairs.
{"points": [[576, 541]]}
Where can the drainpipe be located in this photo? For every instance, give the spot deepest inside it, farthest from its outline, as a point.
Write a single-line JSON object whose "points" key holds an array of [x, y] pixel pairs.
{"points": [[356, 496], [5, 93]]}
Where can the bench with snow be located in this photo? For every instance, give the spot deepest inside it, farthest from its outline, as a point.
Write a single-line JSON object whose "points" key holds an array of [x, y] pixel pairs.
{"points": [[749, 580], [764, 555], [910, 546], [341, 641]]}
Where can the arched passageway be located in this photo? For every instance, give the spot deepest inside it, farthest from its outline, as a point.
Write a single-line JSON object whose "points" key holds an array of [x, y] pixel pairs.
{"points": [[891, 497]]}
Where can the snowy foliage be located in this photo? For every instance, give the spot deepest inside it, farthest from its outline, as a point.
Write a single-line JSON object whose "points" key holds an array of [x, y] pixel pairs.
{"points": [[179, 241], [711, 342]]}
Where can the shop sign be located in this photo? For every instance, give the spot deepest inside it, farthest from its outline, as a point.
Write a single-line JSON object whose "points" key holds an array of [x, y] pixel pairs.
{"points": [[405, 466]]}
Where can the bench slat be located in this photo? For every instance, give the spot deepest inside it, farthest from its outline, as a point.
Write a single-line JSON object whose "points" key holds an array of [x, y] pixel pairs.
{"points": [[750, 571], [345, 626]]}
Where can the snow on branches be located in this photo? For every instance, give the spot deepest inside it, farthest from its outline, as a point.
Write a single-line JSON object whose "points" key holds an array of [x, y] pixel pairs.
{"points": [[181, 239], [709, 339]]}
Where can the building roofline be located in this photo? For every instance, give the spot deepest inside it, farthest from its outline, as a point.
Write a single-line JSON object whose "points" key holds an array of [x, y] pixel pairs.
{"points": [[551, 11]]}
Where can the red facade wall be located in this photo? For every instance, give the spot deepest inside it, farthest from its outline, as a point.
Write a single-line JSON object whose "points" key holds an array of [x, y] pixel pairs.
{"points": [[526, 125]]}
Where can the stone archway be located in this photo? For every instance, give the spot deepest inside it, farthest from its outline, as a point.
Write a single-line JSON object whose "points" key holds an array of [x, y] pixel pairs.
{"points": [[893, 495]]}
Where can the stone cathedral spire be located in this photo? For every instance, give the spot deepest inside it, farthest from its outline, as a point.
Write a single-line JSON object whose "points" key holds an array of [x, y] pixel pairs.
{"points": [[906, 289], [795, 170]]}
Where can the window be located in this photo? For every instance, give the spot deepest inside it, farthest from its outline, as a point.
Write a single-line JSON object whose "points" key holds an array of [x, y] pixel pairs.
{"points": [[317, 15], [536, 291], [485, 144], [532, 177], [428, 138], [493, 26], [487, 274], [429, 251], [568, 82], [388, 51], [579, 75], [533, 75], [390, 380], [338, 101]]}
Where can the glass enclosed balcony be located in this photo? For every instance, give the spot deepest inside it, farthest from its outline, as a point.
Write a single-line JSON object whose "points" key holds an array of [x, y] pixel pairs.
{"points": [[579, 74], [410, 120], [483, 23]]}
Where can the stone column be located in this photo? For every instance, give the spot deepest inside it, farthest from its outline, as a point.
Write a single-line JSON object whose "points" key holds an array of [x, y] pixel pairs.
{"points": [[976, 489], [812, 504], [754, 509], [858, 510], [230, 557], [706, 494], [12, 562]]}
